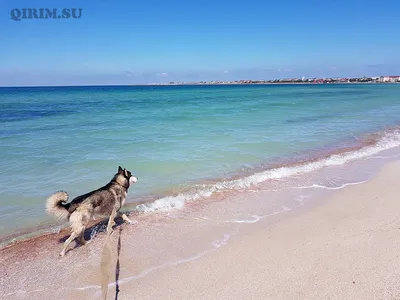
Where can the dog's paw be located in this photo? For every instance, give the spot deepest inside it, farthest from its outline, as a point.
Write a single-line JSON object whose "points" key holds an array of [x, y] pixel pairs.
{"points": [[131, 222], [127, 220]]}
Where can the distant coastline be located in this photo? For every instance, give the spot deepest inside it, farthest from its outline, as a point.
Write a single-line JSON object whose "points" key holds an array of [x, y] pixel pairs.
{"points": [[378, 79], [312, 81]]}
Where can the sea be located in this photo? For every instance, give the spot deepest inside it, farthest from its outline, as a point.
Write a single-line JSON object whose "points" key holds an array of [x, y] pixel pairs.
{"points": [[186, 144]]}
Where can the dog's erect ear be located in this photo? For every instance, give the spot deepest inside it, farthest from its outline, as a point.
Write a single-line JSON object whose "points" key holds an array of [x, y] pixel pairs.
{"points": [[119, 169]]}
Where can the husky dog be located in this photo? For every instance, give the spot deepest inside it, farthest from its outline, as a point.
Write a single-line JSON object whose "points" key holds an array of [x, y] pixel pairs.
{"points": [[95, 204]]}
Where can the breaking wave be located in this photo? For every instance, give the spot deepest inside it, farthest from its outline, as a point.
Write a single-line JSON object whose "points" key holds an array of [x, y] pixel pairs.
{"points": [[382, 141]]}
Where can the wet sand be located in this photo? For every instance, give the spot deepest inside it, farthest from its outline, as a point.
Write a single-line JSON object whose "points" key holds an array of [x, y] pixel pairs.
{"points": [[346, 246]]}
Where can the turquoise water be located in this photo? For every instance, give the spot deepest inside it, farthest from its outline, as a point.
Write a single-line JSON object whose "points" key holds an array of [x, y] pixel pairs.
{"points": [[171, 138]]}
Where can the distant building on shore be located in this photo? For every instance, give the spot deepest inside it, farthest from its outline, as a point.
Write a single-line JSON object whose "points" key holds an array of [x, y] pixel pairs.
{"points": [[389, 79]]}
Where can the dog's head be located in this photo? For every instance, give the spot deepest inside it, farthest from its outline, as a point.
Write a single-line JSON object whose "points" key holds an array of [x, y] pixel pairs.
{"points": [[125, 177]]}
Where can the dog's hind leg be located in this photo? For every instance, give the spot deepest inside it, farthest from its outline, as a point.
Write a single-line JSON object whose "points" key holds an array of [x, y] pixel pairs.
{"points": [[80, 219], [78, 222], [82, 238], [67, 242]]}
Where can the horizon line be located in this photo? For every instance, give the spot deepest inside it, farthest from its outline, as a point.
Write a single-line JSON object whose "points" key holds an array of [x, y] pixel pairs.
{"points": [[219, 82]]}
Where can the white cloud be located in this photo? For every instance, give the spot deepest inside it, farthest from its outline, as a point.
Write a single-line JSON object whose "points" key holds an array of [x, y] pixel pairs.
{"points": [[162, 74]]}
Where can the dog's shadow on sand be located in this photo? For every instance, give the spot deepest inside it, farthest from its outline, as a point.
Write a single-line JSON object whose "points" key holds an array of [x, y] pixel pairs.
{"points": [[117, 266], [93, 230]]}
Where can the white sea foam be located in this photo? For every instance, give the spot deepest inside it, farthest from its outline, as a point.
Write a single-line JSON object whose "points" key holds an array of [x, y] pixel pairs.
{"points": [[56, 229], [383, 157], [221, 242], [331, 187], [257, 218], [23, 294], [387, 141], [300, 199]]}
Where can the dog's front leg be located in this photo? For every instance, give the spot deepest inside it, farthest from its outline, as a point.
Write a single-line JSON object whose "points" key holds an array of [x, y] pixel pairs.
{"points": [[126, 219], [111, 221]]}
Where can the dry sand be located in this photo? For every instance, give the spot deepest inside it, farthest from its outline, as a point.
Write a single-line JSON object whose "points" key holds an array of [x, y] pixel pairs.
{"points": [[347, 247]]}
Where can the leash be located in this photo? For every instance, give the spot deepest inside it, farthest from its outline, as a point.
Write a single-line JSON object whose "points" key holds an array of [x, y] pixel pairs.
{"points": [[106, 257]]}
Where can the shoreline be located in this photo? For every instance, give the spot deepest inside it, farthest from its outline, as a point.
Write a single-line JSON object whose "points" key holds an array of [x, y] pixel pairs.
{"points": [[205, 244], [306, 162]]}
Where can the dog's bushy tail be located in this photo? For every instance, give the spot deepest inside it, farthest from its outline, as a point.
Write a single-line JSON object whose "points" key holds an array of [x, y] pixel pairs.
{"points": [[56, 205]]}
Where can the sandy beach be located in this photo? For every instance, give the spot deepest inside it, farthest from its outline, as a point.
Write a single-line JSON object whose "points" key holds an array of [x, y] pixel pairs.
{"points": [[200, 151], [345, 247]]}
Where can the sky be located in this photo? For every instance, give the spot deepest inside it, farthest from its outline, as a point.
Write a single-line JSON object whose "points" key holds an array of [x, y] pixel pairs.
{"points": [[140, 42]]}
